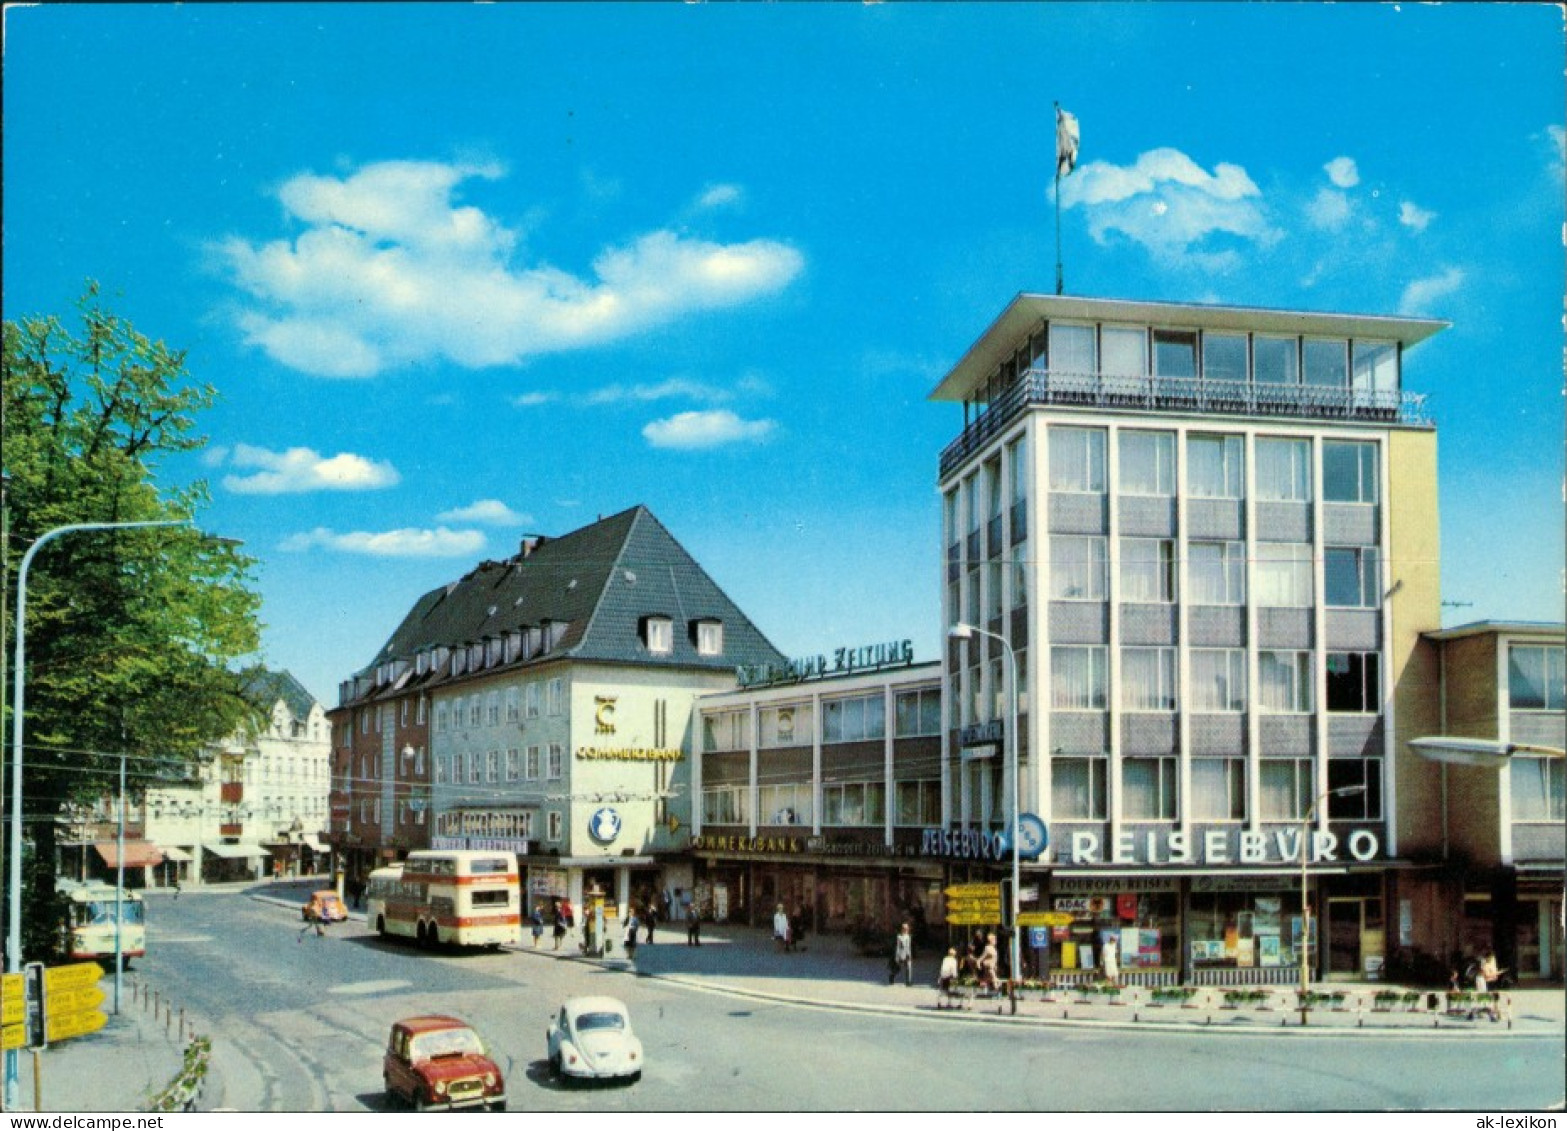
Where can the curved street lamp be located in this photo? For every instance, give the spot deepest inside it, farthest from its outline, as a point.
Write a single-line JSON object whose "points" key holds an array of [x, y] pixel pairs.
{"points": [[962, 631]]}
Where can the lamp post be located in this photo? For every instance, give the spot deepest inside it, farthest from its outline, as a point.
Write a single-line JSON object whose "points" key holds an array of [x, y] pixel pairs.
{"points": [[962, 631], [13, 956], [1305, 904]]}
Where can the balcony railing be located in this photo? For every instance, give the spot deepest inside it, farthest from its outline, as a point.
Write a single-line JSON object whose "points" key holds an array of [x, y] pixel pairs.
{"points": [[1183, 394]]}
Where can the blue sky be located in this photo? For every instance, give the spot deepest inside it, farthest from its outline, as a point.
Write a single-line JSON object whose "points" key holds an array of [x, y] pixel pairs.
{"points": [[465, 272]]}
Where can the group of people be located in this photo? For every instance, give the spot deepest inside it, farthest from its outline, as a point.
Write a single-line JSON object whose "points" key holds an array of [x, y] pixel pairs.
{"points": [[788, 930], [560, 918]]}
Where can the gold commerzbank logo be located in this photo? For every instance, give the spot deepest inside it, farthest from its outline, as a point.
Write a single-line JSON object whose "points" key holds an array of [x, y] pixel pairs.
{"points": [[604, 714]]}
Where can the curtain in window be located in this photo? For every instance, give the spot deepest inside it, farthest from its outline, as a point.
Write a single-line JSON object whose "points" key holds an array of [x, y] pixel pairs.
{"points": [[1148, 679], [1218, 680], [1078, 568], [1072, 350], [1147, 463], [1282, 681], [1071, 789], [1077, 678], [1284, 470], [1281, 792], [1148, 788], [1215, 467], [1218, 789]]}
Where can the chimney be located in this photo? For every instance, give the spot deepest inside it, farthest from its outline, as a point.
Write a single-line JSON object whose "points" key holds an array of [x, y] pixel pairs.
{"points": [[530, 543]]}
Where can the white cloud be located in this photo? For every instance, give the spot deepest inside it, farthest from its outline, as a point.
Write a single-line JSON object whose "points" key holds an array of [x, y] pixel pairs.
{"points": [[1412, 216], [719, 196], [301, 469], [214, 456], [1343, 172], [1172, 206], [406, 543], [1328, 209], [531, 400], [1422, 295], [486, 512], [390, 270], [662, 390], [692, 430], [1555, 142]]}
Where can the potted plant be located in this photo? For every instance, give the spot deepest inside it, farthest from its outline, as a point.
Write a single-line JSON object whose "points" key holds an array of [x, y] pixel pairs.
{"points": [[1173, 995]]}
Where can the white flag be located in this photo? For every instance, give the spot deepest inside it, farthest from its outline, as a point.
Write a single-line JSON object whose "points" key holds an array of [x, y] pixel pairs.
{"points": [[1066, 142]]}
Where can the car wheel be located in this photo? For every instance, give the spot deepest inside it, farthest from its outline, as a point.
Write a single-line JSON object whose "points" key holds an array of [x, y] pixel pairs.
{"points": [[392, 1098], [422, 936], [498, 1105], [420, 1104], [554, 1064], [637, 1075]]}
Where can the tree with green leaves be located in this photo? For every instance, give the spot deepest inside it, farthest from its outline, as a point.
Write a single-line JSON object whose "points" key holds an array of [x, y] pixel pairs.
{"points": [[132, 636]]}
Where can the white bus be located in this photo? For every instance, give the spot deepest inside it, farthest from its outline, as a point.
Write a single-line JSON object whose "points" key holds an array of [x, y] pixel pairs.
{"points": [[90, 922], [462, 898]]}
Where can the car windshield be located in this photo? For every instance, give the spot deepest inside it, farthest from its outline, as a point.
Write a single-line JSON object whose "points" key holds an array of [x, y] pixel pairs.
{"points": [[445, 1042], [586, 1021]]}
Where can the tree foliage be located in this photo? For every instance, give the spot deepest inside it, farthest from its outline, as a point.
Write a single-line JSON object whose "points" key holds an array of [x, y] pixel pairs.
{"points": [[131, 635]]}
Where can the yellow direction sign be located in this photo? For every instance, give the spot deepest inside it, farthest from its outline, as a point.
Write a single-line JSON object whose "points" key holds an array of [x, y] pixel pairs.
{"points": [[1044, 919], [973, 907], [60, 1002], [13, 1036], [974, 918], [72, 977], [73, 1025], [974, 891], [13, 999]]}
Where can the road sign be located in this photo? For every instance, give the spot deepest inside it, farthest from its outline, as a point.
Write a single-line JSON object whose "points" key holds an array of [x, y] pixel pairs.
{"points": [[974, 918], [973, 907], [72, 977], [61, 1002], [1044, 919], [13, 999], [13, 1036], [974, 891], [74, 1025]]}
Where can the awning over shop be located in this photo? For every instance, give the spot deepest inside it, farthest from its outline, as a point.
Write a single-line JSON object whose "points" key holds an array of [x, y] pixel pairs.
{"points": [[138, 853], [315, 845], [178, 855], [235, 851]]}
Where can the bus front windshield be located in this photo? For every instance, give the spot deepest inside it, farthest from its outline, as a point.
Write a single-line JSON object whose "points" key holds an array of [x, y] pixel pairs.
{"points": [[100, 912]]}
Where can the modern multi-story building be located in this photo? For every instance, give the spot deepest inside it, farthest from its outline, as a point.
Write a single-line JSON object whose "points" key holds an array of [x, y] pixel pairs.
{"points": [[1504, 827], [541, 705], [1208, 535]]}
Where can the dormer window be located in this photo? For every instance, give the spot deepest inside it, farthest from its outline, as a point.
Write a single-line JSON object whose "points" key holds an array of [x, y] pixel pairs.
{"points": [[708, 636], [658, 634]]}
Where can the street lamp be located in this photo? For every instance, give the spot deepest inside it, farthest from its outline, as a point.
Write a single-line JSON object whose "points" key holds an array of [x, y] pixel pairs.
{"points": [[1305, 905], [1477, 751], [13, 955], [962, 631]]}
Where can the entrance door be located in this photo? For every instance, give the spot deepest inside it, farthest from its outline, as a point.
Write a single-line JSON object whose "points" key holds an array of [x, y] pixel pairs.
{"points": [[1346, 921]]}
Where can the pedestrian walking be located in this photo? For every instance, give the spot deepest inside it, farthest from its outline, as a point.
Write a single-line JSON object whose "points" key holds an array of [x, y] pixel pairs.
{"points": [[989, 962], [902, 957], [781, 928], [632, 927], [560, 926], [797, 928], [650, 919], [567, 913], [693, 925], [1110, 958], [537, 919], [947, 978]]}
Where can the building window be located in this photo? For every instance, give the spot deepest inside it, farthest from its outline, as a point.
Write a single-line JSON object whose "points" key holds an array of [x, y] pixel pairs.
{"points": [[1275, 361], [1349, 472], [1147, 462], [786, 725], [1175, 354], [440, 771], [1284, 680], [1373, 367], [1224, 357], [917, 803], [552, 825], [557, 760], [364, 722], [917, 713], [788, 804], [1347, 773], [440, 718], [493, 709], [726, 730], [1148, 789], [659, 635], [513, 764], [1079, 568], [1283, 575], [1148, 679], [973, 595], [1077, 460], [1218, 679], [1123, 352], [1077, 788], [726, 805], [1216, 467], [1351, 578], [531, 764], [556, 696], [419, 719], [1284, 470], [709, 638], [402, 714], [1537, 789], [1017, 475], [993, 595], [475, 711], [1535, 678], [1354, 682], [1148, 570], [530, 701], [1020, 575], [472, 762], [1327, 363], [854, 803], [1219, 789], [1078, 678], [513, 705], [1286, 788], [1072, 350], [855, 719], [1216, 572]]}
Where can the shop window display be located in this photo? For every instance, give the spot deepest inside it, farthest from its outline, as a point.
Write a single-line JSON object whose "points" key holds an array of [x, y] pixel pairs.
{"points": [[1144, 924], [1243, 930]]}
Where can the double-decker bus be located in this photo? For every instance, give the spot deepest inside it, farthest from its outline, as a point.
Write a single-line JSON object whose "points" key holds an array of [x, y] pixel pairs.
{"points": [[90, 921], [462, 898]]}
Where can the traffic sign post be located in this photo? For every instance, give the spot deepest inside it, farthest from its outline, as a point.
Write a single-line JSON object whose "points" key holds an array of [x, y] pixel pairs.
{"points": [[71, 997]]}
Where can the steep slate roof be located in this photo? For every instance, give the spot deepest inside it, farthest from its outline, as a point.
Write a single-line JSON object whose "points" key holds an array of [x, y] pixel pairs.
{"points": [[264, 688], [600, 581]]}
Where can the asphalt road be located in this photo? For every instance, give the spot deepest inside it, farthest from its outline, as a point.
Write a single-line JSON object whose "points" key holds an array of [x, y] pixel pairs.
{"points": [[299, 1023]]}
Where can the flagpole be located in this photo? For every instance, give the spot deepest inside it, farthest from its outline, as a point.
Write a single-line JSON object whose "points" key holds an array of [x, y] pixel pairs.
{"points": [[1058, 207]]}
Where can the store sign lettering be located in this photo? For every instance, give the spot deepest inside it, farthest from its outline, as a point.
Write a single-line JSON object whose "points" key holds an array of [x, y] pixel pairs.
{"points": [[628, 754], [963, 844], [843, 661], [1215, 846], [747, 844]]}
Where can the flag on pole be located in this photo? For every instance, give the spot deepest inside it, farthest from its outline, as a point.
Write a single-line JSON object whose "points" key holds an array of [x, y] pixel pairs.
{"points": [[1066, 142]]}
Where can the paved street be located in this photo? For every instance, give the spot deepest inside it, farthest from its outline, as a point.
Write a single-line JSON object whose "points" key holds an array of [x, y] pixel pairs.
{"points": [[299, 1022]]}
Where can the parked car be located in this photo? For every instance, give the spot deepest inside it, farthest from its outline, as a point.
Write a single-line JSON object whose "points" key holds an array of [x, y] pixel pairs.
{"points": [[591, 1039], [324, 907], [437, 1062]]}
